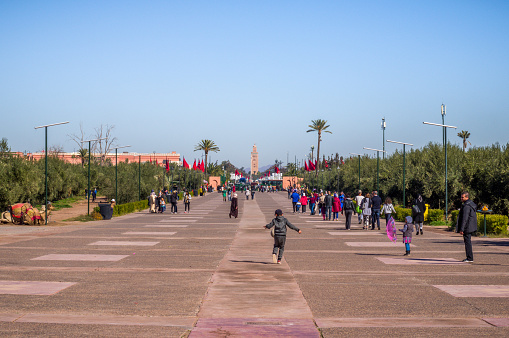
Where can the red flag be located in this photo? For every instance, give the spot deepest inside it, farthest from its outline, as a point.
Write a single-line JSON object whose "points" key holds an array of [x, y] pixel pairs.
{"points": [[236, 172], [156, 161], [202, 166], [277, 170], [326, 164], [306, 166], [167, 165], [241, 175], [194, 165], [185, 164], [311, 166]]}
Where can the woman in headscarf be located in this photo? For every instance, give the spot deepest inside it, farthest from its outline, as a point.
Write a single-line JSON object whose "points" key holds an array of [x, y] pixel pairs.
{"points": [[418, 210], [234, 207]]}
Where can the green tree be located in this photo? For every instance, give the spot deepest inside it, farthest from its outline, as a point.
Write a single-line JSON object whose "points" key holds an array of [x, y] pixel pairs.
{"points": [[206, 146], [464, 135], [319, 126]]}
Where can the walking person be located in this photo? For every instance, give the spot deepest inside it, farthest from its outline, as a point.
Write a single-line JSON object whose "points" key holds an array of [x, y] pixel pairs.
{"points": [[295, 199], [388, 209], [280, 223], [252, 193], [187, 202], [328, 205], [312, 204], [234, 206], [366, 210], [336, 207], [224, 194], [376, 203], [304, 202], [418, 210], [348, 210], [247, 194], [323, 208], [173, 200], [407, 230], [94, 194], [342, 200], [358, 201], [152, 202], [467, 224]]}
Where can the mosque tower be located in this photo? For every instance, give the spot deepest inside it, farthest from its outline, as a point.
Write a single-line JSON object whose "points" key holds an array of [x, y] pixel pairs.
{"points": [[254, 161]]}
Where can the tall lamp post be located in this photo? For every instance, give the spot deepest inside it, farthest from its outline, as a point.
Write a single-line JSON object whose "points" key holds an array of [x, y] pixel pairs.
{"points": [[383, 135], [442, 112], [359, 155], [46, 166], [88, 189], [404, 167], [377, 166], [139, 177], [116, 172], [444, 126]]}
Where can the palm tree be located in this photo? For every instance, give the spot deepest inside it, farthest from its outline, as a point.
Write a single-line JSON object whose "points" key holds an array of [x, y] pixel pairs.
{"points": [[206, 146], [318, 126], [464, 135]]}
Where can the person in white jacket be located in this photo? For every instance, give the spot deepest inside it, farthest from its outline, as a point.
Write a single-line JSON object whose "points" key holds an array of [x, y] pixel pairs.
{"points": [[388, 209]]}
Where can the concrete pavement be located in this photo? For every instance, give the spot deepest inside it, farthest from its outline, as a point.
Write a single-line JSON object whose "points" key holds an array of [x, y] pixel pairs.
{"points": [[203, 274]]}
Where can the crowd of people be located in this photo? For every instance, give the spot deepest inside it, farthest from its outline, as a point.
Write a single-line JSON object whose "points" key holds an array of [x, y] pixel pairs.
{"points": [[157, 202], [369, 207]]}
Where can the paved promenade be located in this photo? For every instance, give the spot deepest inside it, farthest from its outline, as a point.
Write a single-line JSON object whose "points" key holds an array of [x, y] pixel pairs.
{"points": [[203, 274]]}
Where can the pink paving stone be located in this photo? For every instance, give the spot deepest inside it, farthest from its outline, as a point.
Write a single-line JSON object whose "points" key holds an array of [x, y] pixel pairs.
{"points": [[80, 257], [355, 233], [498, 322], [420, 261], [166, 226], [254, 327], [400, 322], [149, 233], [124, 243], [8, 317], [377, 244], [475, 290], [32, 288]]}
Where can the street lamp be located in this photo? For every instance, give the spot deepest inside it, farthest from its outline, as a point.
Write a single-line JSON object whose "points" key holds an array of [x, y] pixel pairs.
{"points": [[444, 126], [442, 112], [404, 165], [359, 155], [116, 172], [377, 166], [383, 135], [88, 190], [46, 166]]}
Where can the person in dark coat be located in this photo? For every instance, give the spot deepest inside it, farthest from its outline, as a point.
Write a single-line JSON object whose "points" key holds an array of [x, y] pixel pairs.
{"points": [[419, 216], [467, 224], [280, 223], [349, 209], [234, 207]]}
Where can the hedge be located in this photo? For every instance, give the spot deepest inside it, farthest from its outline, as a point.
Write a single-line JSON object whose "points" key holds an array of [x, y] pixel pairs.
{"points": [[495, 224], [127, 208], [435, 215]]}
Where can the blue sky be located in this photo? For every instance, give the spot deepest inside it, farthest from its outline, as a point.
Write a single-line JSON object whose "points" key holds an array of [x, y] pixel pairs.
{"points": [[167, 74]]}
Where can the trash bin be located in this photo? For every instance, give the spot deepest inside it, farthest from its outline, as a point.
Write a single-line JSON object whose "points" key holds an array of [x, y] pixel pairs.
{"points": [[195, 193], [105, 210]]}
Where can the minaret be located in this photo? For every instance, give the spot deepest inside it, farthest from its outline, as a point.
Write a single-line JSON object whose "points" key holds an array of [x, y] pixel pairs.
{"points": [[254, 161]]}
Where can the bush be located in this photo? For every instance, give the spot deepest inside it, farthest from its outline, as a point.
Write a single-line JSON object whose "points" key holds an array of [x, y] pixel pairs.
{"points": [[435, 215], [495, 224], [401, 213], [124, 209]]}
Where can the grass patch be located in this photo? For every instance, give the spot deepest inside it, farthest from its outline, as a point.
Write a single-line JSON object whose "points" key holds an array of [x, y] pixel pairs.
{"points": [[81, 218]]}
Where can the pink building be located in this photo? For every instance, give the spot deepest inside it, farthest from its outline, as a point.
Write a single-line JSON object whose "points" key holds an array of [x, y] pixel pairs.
{"points": [[159, 158]]}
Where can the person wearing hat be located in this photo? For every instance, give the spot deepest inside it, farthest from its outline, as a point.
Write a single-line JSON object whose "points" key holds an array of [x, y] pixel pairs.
{"points": [[280, 223], [407, 233]]}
